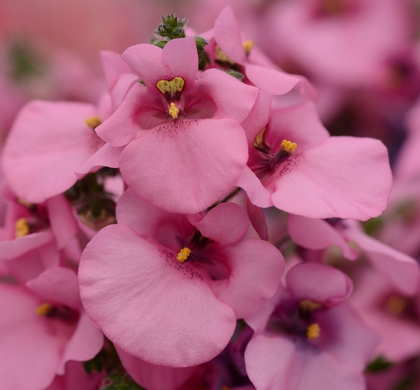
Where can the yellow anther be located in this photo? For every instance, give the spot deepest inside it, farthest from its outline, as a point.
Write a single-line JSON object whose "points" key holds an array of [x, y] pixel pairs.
{"points": [[23, 202], [259, 139], [248, 45], [313, 331], [221, 55], [22, 227], [225, 387], [183, 254], [309, 306], [334, 7], [287, 146], [93, 122], [396, 305], [171, 87], [43, 309], [173, 111]]}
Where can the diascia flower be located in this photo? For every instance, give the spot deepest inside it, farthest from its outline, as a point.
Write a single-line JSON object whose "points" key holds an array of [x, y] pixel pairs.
{"points": [[307, 337], [168, 288], [185, 145], [52, 144], [43, 325], [296, 166]]}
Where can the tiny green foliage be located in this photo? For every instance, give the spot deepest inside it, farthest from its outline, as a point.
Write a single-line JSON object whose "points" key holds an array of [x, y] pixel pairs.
{"points": [[238, 75], [373, 225], [379, 364], [171, 28], [406, 383], [119, 381], [24, 61]]}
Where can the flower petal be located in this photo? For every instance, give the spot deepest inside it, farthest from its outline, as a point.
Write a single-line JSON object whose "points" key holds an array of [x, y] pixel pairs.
{"points": [[343, 177], [47, 143], [181, 166], [148, 303]]}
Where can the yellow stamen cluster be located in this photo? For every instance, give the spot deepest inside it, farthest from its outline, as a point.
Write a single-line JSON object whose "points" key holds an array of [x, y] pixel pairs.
{"points": [[43, 309], [248, 45], [396, 305], [313, 331], [93, 122], [23, 202], [309, 306], [171, 87], [222, 56], [22, 227], [287, 146], [334, 7], [173, 111], [183, 254], [259, 139]]}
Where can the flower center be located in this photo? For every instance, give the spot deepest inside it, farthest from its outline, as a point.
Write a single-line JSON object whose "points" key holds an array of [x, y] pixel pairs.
{"points": [[396, 305], [43, 309], [22, 227], [333, 7], [171, 89], [173, 111], [222, 56], [313, 331], [307, 306], [183, 254], [93, 122], [248, 45], [263, 159], [61, 312]]}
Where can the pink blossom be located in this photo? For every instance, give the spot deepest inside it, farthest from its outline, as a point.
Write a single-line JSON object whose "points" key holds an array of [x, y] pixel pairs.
{"points": [[307, 337], [342, 42], [36, 168], [42, 327], [75, 378], [52, 144], [401, 270], [295, 166], [33, 235], [154, 377], [175, 157], [392, 314], [171, 290], [226, 45]]}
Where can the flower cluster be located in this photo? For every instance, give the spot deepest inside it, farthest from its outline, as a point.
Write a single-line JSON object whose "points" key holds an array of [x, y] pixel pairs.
{"points": [[192, 229]]}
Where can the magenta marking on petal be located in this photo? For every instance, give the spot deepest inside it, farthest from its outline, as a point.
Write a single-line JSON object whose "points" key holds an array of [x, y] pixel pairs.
{"points": [[187, 270], [289, 165]]}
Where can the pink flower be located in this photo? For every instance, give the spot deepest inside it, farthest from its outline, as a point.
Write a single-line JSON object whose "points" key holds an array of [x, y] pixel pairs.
{"points": [[48, 142], [42, 327], [341, 42], [154, 377], [306, 337], [33, 235], [76, 378], [227, 47], [167, 288], [182, 131], [296, 166], [52, 144], [401, 270], [391, 313]]}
